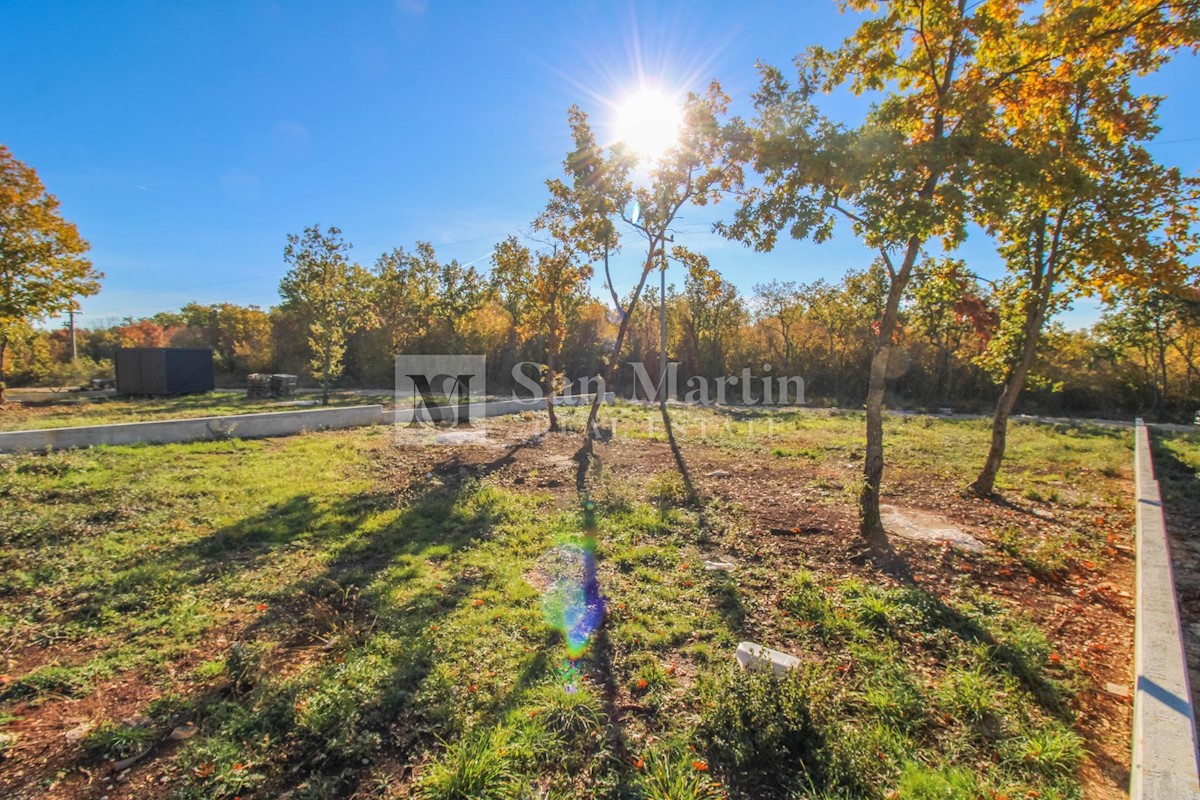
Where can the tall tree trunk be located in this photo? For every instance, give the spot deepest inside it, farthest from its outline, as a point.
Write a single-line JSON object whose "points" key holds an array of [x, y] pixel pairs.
{"points": [[325, 378], [1161, 354], [3, 385], [548, 388], [609, 375], [949, 386], [986, 482], [870, 522], [1035, 315], [1189, 367]]}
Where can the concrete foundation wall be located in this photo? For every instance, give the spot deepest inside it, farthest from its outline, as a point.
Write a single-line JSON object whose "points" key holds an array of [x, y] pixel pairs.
{"points": [[252, 426], [241, 426], [495, 408], [1165, 761]]}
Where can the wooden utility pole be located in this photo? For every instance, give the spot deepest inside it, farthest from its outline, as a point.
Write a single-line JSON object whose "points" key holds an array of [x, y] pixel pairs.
{"points": [[71, 326], [662, 334]]}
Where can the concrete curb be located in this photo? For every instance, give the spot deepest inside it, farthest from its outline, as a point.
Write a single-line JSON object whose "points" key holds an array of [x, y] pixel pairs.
{"points": [[250, 426], [1166, 765], [495, 408], [240, 426]]}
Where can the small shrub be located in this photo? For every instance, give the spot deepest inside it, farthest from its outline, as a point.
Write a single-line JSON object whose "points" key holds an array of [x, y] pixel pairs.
{"points": [[1053, 752], [809, 602], [762, 729], [485, 764], [975, 698], [571, 714], [667, 490], [951, 783], [117, 740], [614, 496], [673, 775], [243, 666]]}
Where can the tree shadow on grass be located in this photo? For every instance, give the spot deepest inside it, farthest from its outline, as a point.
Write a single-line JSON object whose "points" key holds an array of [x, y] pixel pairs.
{"points": [[344, 610], [438, 521], [1026, 665]]}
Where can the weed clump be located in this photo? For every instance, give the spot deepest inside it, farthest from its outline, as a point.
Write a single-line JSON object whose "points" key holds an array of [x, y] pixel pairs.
{"points": [[770, 734], [486, 764], [117, 740]]}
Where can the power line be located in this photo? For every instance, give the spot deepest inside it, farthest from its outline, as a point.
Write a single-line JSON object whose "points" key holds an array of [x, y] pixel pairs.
{"points": [[189, 288]]}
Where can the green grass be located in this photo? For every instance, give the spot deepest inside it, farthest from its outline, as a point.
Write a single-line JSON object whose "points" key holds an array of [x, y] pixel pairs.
{"points": [[324, 624]]}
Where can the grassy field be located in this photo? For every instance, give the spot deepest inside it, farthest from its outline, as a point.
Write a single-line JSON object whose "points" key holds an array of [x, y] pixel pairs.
{"points": [[60, 412], [330, 615]]}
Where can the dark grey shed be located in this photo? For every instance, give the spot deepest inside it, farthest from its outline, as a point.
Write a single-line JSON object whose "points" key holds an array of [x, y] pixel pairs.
{"points": [[164, 370]]}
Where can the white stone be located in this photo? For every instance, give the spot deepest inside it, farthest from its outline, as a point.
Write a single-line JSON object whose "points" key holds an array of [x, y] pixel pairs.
{"points": [[718, 566], [923, 526], [1117, 690], [759, 658], [719, 473], [78, 733], [183, 732]]}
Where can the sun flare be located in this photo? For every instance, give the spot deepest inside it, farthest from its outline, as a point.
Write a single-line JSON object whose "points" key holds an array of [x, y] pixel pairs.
{"points": [[648, 122]]}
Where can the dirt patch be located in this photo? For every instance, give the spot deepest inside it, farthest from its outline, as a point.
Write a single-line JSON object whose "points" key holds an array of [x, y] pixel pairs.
{"points": [[921, 526]]}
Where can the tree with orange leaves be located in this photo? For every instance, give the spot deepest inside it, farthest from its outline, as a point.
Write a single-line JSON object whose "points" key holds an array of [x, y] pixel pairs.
{"points": [[42, 263], [900, 179], [1075, 202]]}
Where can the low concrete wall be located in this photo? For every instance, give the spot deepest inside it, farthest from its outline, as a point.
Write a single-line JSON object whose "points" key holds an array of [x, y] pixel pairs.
{"points": [[1166, 765], [241, 426], [253, 426], [495, 408]]}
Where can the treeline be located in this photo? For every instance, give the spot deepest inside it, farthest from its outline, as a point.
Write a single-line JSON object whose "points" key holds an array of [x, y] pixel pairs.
{"points": [[1143, 356]]}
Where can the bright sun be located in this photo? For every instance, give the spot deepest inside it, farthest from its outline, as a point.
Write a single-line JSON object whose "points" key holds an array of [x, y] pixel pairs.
{"points": [[648, 123]]}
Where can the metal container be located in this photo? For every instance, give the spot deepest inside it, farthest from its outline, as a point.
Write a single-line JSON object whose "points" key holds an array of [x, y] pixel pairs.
{"points": [[164, 370]]}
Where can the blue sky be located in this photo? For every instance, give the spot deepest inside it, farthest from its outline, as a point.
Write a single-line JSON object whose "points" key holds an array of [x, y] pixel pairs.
{"points": [[187, 140]]}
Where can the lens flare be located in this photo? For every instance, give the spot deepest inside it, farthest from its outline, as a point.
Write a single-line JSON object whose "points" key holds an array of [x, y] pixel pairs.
{"points": [[572, 602]]}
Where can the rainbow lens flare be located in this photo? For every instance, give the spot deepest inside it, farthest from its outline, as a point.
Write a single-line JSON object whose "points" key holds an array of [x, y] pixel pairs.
{"points": [[572, 603]]}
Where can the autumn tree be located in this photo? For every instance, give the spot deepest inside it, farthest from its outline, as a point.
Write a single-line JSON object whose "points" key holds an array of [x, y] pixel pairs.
{"points": [[42, 263], [240, 336], [545, 291], [712, 315], [423, 303], [950, 313], [1075, 202], [143, 333], [703, 163], [1157, 332], [330, 292], [898, 179], [779, 308]]}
